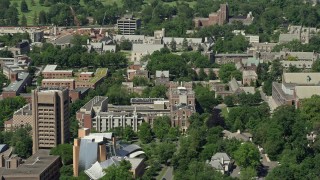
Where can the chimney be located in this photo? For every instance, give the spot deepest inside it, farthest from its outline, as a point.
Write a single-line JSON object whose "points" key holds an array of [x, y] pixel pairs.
{"points": [[238, 131], [13, 77], [222, 160], [76, 151]]}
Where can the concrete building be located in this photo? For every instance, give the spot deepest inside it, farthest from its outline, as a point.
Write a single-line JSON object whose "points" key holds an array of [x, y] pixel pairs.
{"points": [[249, 76], [295, 87], [128, 24], [218, 18], [40, 166], [99, 115], [50, 110]]}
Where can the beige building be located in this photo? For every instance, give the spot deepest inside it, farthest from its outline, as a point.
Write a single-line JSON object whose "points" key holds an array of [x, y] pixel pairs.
{"points": [[40, 166], [21, 117], [50, 109], [249, 76]]}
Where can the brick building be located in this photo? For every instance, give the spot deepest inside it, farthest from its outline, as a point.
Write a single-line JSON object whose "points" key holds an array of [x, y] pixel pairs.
{"points": [[218, 18]]}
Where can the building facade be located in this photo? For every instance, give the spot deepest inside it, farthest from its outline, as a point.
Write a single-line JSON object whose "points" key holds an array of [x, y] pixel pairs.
{"points": [[128, 25], [50, 109]]}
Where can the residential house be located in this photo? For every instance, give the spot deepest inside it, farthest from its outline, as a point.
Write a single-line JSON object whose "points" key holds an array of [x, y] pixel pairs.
{"points": [[221, 162]]}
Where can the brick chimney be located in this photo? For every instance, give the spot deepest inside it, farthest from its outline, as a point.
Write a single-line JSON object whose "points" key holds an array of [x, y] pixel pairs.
{"points": [[13, 77]]}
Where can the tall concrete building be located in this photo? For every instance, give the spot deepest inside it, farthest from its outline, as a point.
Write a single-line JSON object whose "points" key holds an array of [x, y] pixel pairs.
{"points": [[50, 109], [128, 25]]}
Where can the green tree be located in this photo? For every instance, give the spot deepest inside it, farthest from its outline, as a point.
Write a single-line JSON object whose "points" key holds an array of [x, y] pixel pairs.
{"points": [[35, 19], [248, 173], [22, 142], [227, 71], [202, 75], [185, 44], [161, 126], [23, 20], [64, 151], [247, 155], [42, 18], [212, 75], [119, 172], [173, 45], [126, 45], [144, 133], [164, 151], [128, 133], [229, 101], [24, 6]]}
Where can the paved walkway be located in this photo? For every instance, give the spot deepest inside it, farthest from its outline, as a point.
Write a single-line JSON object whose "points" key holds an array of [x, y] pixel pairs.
{"points": [[168, 174]]}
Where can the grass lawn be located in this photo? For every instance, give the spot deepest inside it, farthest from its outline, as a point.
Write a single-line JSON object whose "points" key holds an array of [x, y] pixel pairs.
{"points": [[29, 15]]}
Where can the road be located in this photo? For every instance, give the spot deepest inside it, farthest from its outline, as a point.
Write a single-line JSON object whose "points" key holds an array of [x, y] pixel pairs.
{"points": [[168, 175]]}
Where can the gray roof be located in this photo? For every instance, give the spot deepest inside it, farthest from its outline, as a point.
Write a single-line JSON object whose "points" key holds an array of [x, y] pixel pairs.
{"points": [[220, 155], [167, 40], [160, 74], [63, 39], [288, 37], [311, 56], [88, 153], [15, 86], [35, 164], [233, 84], [301, 78], [129, 37], [3, 147], [128, 149], [216, 164], [146, 48]]}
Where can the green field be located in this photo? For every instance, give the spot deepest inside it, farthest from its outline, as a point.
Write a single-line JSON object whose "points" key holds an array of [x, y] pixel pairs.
{"points": [[37, 7], [29, 15]]}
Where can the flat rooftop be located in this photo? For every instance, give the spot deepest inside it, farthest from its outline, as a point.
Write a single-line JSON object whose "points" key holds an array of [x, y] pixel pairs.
{"points": [[52, 68], [15, 86], [34, 165]]}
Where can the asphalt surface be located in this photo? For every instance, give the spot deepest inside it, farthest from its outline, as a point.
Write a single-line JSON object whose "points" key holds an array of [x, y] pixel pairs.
{"points": [[63, 39]]}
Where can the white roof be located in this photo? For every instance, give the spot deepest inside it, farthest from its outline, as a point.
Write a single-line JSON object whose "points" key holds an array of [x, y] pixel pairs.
{"points": [[160, 73], [57, 80], [95, 171], [87, 73], [135, 154], [98, 137], [220, 155], [50, 68], [303, 92]]}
